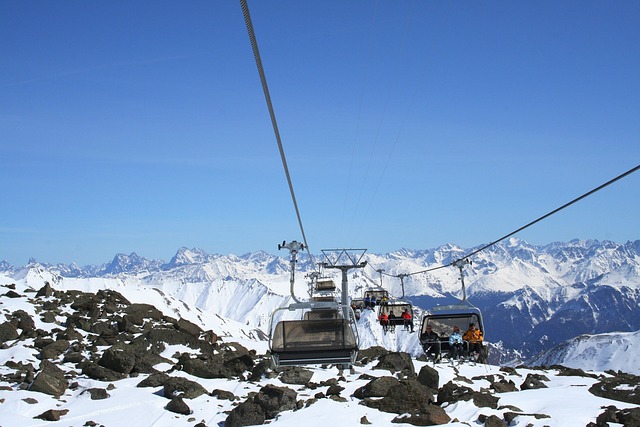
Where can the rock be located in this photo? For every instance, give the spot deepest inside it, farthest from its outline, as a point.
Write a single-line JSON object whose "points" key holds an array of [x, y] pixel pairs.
{"points": [[45, 291], [97, 372], [266, 404], [178, 405], [334, 390], [49, 380], [247, 413], [484, 400], [428, 416], [491, 421], [371, 353], [451, 392], [154, 380], [223, 394], [404, 397], [119, 358], [572, 372], [24, 321], [55, 349], [12, 294], [52, 414], [273, 400], [261, 369], [98, 393], [378, 387], [295, 375], [136, 313], [8, 332], [396, 362], [504, 386], [629, 417], [228, 363], [534, 381], [429, 377], [622, 387], [182, 387], [190, 328]]}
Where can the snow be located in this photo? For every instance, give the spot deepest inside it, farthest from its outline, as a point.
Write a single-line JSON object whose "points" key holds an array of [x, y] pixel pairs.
{"points": [[566, 400]]}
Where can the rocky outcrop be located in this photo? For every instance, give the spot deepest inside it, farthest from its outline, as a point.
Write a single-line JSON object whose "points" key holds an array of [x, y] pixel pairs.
{"points": [[265, 405], [619, 386]]}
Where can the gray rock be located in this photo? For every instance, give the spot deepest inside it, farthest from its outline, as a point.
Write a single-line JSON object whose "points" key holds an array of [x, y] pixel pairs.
{"points": [[396, 362], [49, 380], [429, 377], [182, 387], [178, 406], [247, 413], [295, 375], [8, 332]]}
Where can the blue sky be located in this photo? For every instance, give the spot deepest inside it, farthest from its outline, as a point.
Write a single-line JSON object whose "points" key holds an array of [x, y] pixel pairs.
{"points": [[142, 126]]}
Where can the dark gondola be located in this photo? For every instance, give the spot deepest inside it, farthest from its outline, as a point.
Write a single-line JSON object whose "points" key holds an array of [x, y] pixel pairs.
{"points": [[320, 331], [442, 320]]}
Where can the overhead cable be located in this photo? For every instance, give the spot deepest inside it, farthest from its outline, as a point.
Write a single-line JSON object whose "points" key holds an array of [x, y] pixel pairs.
{"points": [[265, 88], [577, 199]]}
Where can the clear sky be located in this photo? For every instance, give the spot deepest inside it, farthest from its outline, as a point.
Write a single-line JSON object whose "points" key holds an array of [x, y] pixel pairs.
{"points": [[142, 126]]}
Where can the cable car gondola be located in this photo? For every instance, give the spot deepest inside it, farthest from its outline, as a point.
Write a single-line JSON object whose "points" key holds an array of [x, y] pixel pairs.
{"points": [[442, 320], [395, 308], [319, 332]]}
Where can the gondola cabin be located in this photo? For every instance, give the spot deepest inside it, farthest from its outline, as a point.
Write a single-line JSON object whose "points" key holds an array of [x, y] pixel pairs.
{"points": [[443, 319], [324, 290], [325, 285], [378, 294], [394, 310], [319, 336]]}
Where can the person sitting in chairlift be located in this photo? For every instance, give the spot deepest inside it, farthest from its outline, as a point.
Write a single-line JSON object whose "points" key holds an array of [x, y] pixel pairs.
{"points": [[456, 343], [431, 343], [392, 320], [408, 320], [384, 321], [474, 337]]}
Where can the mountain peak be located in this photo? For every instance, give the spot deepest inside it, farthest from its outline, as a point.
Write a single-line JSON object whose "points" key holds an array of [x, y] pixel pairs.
{"points": [[186, 256]]}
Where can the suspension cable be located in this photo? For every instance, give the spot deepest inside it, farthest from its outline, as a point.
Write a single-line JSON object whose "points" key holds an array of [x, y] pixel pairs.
{"points": [[577, 199], [265, 88]]}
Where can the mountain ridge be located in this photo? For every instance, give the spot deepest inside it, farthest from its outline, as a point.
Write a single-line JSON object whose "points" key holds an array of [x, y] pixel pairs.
{"points": [[533, 297]]}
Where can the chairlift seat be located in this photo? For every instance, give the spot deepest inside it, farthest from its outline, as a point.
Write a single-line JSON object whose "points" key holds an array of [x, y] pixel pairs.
{"points": [[313, 341]]}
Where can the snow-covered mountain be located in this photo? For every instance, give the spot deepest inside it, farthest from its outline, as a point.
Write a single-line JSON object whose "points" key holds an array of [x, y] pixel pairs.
{"points": [[614, 351], [104, 351], [532, 297]]}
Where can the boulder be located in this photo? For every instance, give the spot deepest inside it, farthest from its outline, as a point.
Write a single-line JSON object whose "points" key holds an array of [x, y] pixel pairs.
{"points": [[621, 387], [534, 381], [378, 387], [295, 375], [273, 400], [49, 380], [8, 332], [178, 406], [182, 387], [247, 413], [429, 377], [408, 396], [396, 362]]}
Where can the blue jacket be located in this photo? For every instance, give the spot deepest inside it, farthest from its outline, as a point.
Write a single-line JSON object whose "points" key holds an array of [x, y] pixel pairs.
{"points": [[455, 338]]}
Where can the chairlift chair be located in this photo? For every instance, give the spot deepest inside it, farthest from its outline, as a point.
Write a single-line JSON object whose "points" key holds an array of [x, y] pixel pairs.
{"points": [[442, 319], [396, 307], [319, 335], [378, 294]]}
